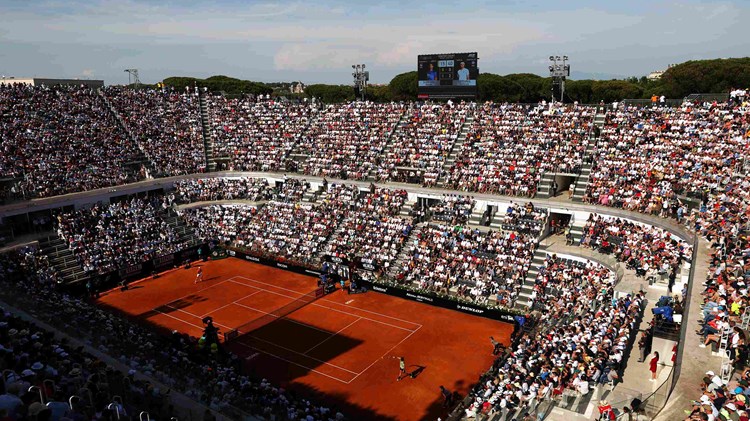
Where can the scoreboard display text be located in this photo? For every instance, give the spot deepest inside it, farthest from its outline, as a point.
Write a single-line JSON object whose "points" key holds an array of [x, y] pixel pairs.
{"points": [[447, 75]]}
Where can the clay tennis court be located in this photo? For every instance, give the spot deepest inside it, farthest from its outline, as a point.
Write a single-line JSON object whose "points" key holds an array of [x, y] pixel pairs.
{"points": [[337, 349]]}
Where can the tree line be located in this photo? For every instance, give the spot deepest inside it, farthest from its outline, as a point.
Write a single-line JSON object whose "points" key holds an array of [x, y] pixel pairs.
{"points": [[702, 76]]}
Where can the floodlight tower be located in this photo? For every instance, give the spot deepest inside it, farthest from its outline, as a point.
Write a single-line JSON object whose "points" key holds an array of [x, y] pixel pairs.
{"points": [[559, 70], [133, 77], [361, 77]]}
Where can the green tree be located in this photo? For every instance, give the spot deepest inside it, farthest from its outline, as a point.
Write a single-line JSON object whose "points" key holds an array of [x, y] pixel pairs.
{"points": [[330, 93], [404, 86]]}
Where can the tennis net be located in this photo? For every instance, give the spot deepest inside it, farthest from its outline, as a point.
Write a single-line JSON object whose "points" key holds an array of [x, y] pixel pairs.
{"points": [[279, 313]]}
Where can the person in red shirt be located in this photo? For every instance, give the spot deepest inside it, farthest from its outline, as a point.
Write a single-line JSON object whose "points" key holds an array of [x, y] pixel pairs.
{"points": [[652, 366]]}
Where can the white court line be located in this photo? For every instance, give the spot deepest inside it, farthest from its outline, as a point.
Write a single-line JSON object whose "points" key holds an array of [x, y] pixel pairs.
{"points": [[329, 301], [273, 315], [332, 335], [341, 311], [386, 353], [292, 362], [180, 320], [233, 302], [190, 314], [200, 290], [306, 356]]}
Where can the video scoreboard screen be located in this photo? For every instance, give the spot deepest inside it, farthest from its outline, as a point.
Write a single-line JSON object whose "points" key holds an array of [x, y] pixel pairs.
{"points": [[447, 75]]}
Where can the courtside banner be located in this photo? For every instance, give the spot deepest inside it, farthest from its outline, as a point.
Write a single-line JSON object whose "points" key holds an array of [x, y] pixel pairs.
{"points": [[434, 300], [239, 254], [143, 269]]}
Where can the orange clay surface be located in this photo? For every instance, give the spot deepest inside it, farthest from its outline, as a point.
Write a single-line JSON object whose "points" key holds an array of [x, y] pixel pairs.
{"points": [[339, 350]]}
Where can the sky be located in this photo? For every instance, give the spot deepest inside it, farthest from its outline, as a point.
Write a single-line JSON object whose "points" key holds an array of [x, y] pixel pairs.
{"points": [[318, 41]]}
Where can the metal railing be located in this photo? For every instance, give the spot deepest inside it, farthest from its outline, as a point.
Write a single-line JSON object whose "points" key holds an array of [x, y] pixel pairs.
{"points": [[723, 97]]}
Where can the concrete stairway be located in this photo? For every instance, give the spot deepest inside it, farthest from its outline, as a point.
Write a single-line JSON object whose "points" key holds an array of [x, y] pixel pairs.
{"points": [[477, 215], [456, 149], [140, 159], [576, 231], [544, 188], [389, 143], [311, 196], [69, 271], [406, 209], [524, 297], [398, 263], [184, 231], [582, 182], [497, 220], [208, 141]]}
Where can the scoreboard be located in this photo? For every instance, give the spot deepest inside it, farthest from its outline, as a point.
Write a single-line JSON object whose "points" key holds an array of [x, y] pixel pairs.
{"points": [[451, 75]]}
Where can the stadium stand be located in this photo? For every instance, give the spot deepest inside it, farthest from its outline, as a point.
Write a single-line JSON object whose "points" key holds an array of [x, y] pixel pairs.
{"points": [[678, 162], [59, 140]]}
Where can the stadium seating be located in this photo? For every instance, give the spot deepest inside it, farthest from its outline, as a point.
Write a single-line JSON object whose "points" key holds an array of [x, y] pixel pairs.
{"points": [[345, 140], [257, 135], [555, 352], [681, 162], [167, 126], [60, 140]]}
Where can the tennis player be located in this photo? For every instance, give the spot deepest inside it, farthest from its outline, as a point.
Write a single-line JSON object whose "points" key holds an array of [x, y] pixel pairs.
{"points": [[402, 369], [199, 276]]}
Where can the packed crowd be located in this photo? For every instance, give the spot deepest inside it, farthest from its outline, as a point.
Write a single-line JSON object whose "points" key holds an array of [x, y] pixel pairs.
{"points": [[175, 361], [474, 265], [61, 140], [648, 250], [646, 157], [257, 135], [584, 337], [283, 228], [721, 401], [371, 233], [166, 124], [212, 189], [453, 209], [108, 237], [510, 146], [423, 142], [345, 140]]}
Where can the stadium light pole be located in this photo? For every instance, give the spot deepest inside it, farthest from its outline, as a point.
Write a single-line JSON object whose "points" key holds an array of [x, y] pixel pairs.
{"points": [[133, 75], [559, 70], [361, 77]]}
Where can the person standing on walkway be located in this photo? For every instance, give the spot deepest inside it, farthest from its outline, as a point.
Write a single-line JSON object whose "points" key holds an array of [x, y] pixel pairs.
{"points": [[652, 366]]}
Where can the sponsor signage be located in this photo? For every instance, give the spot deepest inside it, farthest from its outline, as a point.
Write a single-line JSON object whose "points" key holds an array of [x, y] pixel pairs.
{"points": [[468, 308], [143, 269], [494, 314], [238, 253], [165, 260]]}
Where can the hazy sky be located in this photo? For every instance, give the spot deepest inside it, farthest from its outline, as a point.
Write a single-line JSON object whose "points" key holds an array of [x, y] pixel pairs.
{"points": [[319, 41]]}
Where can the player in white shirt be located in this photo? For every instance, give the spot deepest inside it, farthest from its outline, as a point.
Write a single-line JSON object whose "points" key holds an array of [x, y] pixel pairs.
{"points": [[463, 72]]}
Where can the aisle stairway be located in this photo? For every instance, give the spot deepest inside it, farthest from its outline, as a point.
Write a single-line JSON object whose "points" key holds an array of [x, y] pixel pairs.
{"points": [[582, 182], [456, 149], [544, 188], [524, 297], [403, 255], [69, 271], [142, 157], [389, 144], [208, 142]]}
